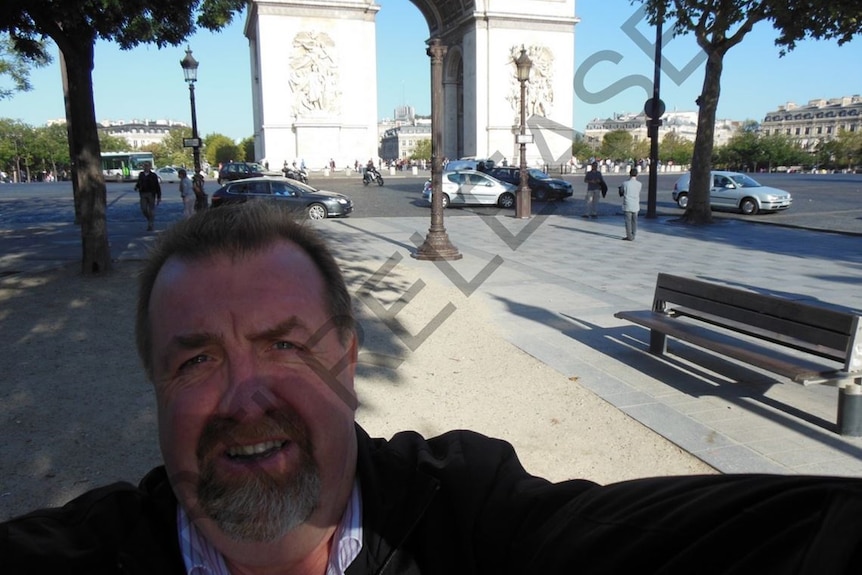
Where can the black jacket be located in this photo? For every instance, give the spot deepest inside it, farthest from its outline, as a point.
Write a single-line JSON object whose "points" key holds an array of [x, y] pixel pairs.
{"points": [[452, 504], [461, 503], [148, 183]]}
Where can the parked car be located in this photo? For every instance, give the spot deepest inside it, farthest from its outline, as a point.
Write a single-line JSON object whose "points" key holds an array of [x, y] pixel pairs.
{"points": [[472, 187], [542, 186], [316, 204], [736, 191], [233, 171], [168, 174], [482, 165]]}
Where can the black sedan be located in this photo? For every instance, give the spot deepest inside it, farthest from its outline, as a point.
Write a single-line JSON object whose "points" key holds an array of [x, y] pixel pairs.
{"points": [[542, 186], [316, 204], [241, 170]]}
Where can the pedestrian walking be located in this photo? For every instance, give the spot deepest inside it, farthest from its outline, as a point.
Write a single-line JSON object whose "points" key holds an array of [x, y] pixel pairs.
{"points": [[187, 194], [151, 194], [595, 185], [630, 190]]}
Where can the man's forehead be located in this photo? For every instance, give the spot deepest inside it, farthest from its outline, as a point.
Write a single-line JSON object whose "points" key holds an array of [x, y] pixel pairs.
{"points": [[278, 256]]}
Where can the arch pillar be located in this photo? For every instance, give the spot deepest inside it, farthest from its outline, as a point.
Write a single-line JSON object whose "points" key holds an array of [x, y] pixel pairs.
{"points": [[314, 77]]}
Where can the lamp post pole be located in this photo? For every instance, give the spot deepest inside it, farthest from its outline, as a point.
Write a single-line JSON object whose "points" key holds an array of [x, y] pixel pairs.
{"points": [[190, 71], [655, 109], [437, 245], [523, 208]]}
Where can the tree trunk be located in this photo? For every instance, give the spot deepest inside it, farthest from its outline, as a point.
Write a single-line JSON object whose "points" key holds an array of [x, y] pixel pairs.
{"points": [[73, 169], [86, 155], [698, 210]]}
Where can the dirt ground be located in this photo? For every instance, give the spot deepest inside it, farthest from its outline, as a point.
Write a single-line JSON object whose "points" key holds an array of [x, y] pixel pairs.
{"points": [[76, 411]]}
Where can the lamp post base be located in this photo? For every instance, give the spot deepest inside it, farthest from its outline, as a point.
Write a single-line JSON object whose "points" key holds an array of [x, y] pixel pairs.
{"points": [[437, 247], [523, 207]]}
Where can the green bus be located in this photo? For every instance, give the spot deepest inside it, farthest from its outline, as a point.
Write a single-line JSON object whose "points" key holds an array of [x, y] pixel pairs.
{"points": [[125, 166]]}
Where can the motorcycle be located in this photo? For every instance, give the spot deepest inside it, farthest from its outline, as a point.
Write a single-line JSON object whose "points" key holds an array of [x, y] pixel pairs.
{"points": [[372, 175], [299, 175]]}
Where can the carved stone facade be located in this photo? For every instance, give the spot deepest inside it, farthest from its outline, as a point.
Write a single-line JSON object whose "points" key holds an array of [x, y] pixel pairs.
{"points": [[314, 77]]}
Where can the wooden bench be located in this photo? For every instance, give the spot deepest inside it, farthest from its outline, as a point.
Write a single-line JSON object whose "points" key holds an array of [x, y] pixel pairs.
{"points": [[710, 316]]}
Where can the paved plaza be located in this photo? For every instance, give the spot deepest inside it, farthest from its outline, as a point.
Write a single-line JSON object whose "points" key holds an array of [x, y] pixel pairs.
{"points": [[553, 284]]}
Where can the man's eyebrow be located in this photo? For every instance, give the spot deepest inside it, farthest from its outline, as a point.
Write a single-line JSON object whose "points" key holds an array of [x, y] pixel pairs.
{"points": [[193, 340], [286, 327]]}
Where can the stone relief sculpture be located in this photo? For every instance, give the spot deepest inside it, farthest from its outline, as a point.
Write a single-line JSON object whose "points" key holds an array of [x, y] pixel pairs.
{"points": [[540, 90], [313, 74]]}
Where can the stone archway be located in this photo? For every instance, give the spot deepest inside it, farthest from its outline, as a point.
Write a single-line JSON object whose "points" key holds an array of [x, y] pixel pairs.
{"points": [[309, 102]]}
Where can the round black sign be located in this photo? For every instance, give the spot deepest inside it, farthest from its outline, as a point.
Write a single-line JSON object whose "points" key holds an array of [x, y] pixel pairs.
{"points": [[654, 108]]}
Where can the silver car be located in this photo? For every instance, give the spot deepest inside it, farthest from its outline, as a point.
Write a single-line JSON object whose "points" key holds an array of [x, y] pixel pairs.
{"points": [[471, 187], [736, 191]]}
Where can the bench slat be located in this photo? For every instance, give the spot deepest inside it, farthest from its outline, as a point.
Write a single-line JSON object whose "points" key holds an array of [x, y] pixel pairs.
{"points": [[774, 330], [801, 312], [818, 330], [746, 352]]}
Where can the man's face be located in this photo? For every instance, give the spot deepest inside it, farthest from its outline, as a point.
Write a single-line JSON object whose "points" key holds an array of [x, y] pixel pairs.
{"points": [[255, 393]]}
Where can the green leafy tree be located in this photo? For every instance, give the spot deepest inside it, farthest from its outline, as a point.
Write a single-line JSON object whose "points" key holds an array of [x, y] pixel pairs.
{"points": [[171, 152], [780, 150], [247, 147], [582, 150], [846, 153], [718, 26], [422, 151], [15, 142], [51, 149], [16, 67], [617, 145], [111, 143], [219, 149], [74, 28], [676, 149], [641, 149], [749, 150]]}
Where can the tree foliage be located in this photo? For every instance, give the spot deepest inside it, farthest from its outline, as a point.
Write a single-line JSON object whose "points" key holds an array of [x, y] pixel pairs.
{"points": [[718, 26], [422, 151], [16, 67], [751, 151], [676, 149], [617, 145], [74, 27], [220, 149]]}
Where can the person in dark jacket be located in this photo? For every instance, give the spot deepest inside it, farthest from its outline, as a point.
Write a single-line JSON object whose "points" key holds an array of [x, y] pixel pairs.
{"points": [[265, 469], [150, 191]]}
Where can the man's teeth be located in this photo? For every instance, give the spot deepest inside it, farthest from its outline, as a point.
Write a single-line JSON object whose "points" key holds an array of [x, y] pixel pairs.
{"points": [[256, 449]]}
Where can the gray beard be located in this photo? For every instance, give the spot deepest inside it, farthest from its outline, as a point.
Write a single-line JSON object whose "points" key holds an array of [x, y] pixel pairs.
{"points": [[262, 508]]}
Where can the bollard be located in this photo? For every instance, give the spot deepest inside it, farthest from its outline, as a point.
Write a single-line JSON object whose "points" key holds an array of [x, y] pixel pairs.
{"points": [[850, 410]]}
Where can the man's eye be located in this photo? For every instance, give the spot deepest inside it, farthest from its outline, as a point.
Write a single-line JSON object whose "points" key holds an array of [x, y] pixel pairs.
{"points": [[287, 346], [196, 360]]}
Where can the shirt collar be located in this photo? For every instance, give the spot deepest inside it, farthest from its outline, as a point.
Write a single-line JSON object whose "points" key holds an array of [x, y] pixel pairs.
{"points": [[202, 558]]}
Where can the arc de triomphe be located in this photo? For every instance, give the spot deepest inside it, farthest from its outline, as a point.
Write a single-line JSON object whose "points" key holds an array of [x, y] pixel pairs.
{"points": [[311, 62]]}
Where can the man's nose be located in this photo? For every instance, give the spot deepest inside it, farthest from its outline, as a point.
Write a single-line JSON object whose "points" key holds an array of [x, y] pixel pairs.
{"points": [[247, 392]]}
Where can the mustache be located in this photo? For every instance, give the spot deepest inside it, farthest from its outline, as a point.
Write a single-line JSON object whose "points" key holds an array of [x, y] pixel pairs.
{"points": [[221, 432]]}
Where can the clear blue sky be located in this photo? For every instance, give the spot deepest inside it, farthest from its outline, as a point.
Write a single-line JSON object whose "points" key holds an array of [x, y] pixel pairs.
{"points": [[147, 83]]}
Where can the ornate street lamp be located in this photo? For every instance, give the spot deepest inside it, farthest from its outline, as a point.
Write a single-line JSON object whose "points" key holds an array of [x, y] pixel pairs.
{"points": [[190, 71], [522, 206], [437, 245]]}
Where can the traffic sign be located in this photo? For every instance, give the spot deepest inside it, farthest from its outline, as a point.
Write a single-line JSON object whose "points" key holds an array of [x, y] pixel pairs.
{"points": [[654, 108]]}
